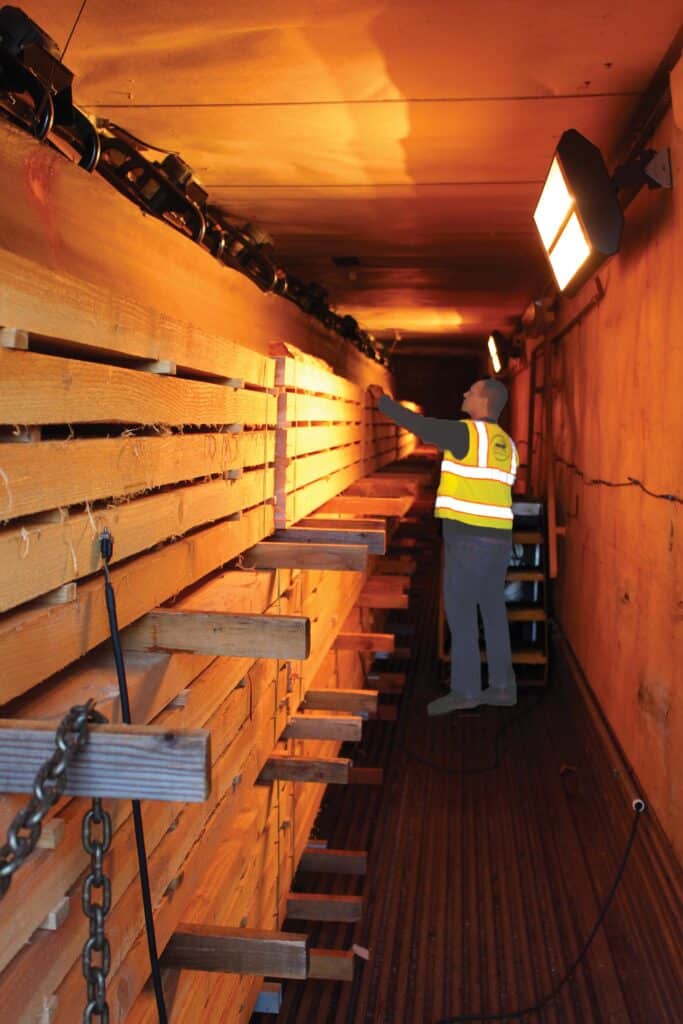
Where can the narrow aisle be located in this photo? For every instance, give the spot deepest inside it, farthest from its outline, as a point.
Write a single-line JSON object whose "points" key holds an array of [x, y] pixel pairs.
{"points": [[493, 845]]}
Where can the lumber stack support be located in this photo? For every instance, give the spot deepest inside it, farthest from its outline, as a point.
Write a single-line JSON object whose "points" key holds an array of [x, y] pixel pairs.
{"points": [[243, 951], [124, 407], [305, 906], [336, 862], [228, 634], [238, 951]]}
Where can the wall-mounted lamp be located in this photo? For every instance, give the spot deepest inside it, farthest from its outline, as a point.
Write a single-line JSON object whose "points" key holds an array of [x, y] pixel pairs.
{"points": [[538, 316], [501, 350], [493, 352], [578, 216]]}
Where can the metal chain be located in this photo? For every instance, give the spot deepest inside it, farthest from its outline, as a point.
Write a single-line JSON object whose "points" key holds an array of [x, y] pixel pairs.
{"points": [[96, 821], [49, 784], [24, 832]]}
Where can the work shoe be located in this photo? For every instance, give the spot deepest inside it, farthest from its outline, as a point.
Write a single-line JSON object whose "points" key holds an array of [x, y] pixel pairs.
{"points": [[500, 696], [452, 702]]}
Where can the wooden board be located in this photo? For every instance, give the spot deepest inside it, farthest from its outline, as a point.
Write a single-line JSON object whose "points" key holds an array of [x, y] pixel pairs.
{"points": [[383, 597], [331, 965], [237, 951], [281, 554], [370, 506], [365, 642], [39, 389], [335, 862], [330, 770], [305, 469], [55, 474], [136, 762], [305, 440], [344, 728], [302, 375], [302, 408], [373, 540], [42, 556], [229, 634], [319, 907], [34, 645], [387, 682], [305, 500], [352, 701]]}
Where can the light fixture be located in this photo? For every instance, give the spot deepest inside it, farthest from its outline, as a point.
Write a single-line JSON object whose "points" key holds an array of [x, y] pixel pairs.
{"points": [[502, 350], [537, 317], [493, 353], [578, 215]]}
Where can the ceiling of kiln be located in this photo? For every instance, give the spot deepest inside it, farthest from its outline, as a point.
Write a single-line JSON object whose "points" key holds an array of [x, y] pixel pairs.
{"points": [[413, 135]]}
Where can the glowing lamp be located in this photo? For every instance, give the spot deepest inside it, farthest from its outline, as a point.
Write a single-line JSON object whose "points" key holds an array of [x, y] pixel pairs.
{"points": [[493, 352], [578, 216]]}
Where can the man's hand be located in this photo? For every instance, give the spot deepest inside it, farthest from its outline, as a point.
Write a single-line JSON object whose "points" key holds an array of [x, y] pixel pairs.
{"points": [[375, 392]]}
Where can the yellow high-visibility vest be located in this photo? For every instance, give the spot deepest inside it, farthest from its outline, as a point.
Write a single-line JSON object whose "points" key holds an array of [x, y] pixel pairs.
{"points": [[477, 489]]}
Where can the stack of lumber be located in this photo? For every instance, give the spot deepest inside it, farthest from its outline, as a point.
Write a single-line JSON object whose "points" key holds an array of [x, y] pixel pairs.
{"points": [[182, 473], [383, 440], [330, 434], [124, 405]]}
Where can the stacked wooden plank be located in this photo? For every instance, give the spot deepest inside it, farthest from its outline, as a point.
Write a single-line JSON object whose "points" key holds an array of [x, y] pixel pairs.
{"points": [[319, 437], [124, 406], [383, 440], [90, 446], [182, 472], [330, 434]]}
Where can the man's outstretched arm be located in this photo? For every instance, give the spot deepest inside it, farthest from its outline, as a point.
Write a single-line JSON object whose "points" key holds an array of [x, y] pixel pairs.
{"points": [[445, 434]]}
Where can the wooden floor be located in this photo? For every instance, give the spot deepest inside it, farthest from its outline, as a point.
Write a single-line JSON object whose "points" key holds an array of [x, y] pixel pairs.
{"points": [[493, 845]]}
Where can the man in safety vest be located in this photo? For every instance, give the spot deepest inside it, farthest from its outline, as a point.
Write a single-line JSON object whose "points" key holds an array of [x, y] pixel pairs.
{"points": [[474, 500]]}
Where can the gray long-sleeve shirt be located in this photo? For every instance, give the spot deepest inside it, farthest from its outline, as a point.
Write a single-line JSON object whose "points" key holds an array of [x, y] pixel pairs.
{"points": [[450, 435]]}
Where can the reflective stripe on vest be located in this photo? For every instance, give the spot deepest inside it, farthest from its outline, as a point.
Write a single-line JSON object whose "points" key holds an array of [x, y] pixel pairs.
{"points": [[483, 443], [477, 488], [477, 472], [473, 508]]}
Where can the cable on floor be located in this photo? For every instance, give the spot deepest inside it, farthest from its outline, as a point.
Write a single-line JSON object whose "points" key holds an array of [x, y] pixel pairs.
{"points": [[478, 1018]]}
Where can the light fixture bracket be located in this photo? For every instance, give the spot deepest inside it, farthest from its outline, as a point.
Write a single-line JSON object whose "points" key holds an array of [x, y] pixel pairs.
{"points": [[651, 167]]}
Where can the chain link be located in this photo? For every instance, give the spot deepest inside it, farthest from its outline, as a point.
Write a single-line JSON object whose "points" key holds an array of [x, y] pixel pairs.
{"points": [[24, 832], [49, 784], [96, 842]]}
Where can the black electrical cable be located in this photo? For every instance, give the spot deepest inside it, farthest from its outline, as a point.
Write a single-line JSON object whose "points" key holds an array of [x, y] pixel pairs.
{"points": [[630, 481], [638, 808], [511, 719], [106, 550], [73, 29]]}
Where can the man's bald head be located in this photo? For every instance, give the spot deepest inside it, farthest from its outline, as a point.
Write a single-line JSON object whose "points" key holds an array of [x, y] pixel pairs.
{"points": [[496, 396], [485, 399]]}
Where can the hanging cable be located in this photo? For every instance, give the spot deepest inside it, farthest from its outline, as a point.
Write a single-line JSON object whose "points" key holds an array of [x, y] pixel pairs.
{"points": [[73, 29], [473, 1018], [106, 550], [411, 755], [494, 766], [630, 481]]}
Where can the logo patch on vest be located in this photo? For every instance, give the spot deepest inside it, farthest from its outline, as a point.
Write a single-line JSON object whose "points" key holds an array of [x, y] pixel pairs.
{"points": [[500, 448]]}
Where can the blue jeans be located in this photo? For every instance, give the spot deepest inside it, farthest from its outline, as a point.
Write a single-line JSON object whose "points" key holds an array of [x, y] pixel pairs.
{"points": [[474, 576]]}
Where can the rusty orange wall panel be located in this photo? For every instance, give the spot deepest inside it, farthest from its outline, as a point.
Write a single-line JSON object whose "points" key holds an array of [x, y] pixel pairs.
{"points": [[617, 414]]}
